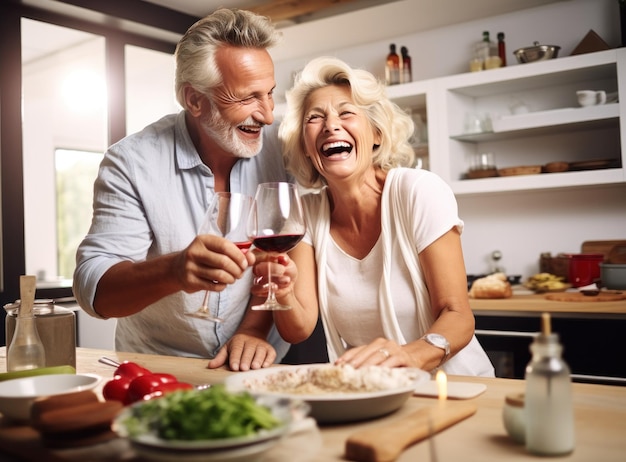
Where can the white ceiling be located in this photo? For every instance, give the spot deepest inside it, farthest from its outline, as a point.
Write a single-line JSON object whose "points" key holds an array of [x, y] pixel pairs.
{"points": [[355, 21], [423, 14], [201, 8]]}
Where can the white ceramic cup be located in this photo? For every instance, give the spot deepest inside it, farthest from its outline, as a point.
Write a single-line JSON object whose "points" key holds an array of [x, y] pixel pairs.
{"points": [[591, 97]]}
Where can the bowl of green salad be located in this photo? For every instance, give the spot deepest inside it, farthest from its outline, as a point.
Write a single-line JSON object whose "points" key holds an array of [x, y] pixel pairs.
{"points": [[209, 424]]}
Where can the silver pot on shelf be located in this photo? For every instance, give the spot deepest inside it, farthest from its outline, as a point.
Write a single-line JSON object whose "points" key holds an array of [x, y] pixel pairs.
{"points": [[536, 53]]}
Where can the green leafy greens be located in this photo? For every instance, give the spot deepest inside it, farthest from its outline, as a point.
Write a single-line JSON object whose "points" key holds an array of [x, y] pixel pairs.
{"points": [[192, 415]]}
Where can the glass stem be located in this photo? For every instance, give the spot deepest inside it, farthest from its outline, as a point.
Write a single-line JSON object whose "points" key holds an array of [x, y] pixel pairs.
{"points": [[205, 302], [271, 297]]}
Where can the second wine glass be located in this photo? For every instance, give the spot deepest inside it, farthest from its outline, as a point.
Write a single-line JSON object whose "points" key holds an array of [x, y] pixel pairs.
{"points": [[276, 225], [226, 217]]}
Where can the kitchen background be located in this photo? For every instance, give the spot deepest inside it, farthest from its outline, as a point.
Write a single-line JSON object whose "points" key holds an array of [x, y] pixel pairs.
{"points": [[520, 224]]}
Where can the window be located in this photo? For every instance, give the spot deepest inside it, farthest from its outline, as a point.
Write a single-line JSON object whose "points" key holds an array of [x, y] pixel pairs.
{"points": [[65, 134], [64, 106], [75, 174]]}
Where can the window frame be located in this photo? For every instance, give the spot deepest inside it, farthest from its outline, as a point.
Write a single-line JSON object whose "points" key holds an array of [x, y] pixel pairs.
{"points": [[159, 30]]}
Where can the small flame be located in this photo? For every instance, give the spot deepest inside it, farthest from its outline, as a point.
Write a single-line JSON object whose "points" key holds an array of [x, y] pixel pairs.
{"points": [[442, 385]]}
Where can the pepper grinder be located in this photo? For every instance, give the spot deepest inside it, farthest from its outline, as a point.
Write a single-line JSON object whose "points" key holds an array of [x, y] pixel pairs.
{"points": [[496, 256], [26, 349], [548, 401]]}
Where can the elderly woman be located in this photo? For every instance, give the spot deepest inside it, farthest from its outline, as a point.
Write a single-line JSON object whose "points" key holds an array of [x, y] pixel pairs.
{"points": [[382, 258]]}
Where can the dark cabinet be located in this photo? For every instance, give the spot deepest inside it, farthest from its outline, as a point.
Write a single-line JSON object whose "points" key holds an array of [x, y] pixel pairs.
{"points": [[592, 344]]}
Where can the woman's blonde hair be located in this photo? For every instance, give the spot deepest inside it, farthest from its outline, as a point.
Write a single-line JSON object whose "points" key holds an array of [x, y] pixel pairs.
{"points": [[195, 52], [393, 124]]}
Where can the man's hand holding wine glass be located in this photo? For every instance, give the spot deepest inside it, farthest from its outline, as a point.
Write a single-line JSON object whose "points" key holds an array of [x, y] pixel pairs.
{"points": [[225, 228], [212, 260]]}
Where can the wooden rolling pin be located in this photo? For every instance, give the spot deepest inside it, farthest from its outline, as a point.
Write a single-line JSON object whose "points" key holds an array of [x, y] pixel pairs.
{"points": [[386, 443]]}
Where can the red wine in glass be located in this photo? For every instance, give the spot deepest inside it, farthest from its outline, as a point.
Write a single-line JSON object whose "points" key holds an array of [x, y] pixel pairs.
{"points": [[279, 243], [243, 246]]}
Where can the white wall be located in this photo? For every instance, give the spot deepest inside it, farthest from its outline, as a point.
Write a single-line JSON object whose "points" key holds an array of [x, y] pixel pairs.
{"points": [[520, 225]]}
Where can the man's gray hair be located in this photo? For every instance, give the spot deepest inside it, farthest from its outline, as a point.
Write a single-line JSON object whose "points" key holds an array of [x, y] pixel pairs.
{"points": [[195, 52]]}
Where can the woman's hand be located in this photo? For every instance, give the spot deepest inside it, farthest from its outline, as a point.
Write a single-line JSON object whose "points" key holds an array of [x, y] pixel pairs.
{"points": [[381, 352], [283, 273]]}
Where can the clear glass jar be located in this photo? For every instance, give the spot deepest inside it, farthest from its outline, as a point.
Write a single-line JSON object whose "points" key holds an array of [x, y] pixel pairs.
{"points": [[56, 327], [26, 349]]}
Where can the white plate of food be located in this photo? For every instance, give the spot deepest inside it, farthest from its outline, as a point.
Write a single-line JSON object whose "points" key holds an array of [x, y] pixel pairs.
{"points": [[336, 394], [210, 424]]}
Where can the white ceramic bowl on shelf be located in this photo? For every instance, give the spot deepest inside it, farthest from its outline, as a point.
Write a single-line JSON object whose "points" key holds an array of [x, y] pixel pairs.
{"points": [[18, 395]]}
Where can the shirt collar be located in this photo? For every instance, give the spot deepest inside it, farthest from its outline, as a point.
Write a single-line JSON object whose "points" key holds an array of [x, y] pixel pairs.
{"points": [[187, 156]]}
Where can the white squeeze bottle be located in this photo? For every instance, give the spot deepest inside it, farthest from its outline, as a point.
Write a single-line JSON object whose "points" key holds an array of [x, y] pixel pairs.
{"points": [[548, 401]]}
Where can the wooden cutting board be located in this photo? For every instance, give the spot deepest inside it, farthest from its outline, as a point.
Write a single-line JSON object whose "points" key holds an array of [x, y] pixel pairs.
{"points": [[578, 297], [613, 251], [25, 443], [385, 443]]}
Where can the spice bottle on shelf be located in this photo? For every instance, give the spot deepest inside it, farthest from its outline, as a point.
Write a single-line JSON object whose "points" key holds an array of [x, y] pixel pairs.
{"points": [[501, 49], [481, 53], [548, 399], [392, 66], [490, 53], [407, 75]]}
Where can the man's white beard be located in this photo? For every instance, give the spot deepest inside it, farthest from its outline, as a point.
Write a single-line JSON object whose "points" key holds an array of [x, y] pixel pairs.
{"points": [[227, 137]]}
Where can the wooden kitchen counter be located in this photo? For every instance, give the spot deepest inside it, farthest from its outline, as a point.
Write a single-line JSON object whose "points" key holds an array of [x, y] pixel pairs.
{"points": [[537, 303], [600, 420]]}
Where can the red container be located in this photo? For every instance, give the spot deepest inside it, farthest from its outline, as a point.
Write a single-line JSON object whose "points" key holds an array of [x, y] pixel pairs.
{"points": [[584, 268]]}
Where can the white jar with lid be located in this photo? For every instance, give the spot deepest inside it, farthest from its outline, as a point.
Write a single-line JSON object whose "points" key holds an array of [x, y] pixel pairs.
{"points": [[513, 417]]}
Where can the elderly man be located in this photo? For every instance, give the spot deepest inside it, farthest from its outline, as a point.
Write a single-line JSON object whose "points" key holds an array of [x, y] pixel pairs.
{"points": [[142, 261]]}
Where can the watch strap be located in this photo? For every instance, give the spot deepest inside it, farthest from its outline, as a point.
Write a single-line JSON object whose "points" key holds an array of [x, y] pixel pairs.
{"points": [[445, 347]]}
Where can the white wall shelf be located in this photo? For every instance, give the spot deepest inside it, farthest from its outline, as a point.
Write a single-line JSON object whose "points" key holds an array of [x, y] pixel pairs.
{"points": [[537, 123], [555, 128]]}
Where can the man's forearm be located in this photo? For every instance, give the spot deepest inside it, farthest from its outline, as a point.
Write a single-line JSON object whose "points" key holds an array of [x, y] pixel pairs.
{"points": [[127, 288]]}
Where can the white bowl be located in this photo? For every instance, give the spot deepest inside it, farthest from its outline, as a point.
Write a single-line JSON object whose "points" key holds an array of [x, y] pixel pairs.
{"points": [[333, 407], [17, 395]]}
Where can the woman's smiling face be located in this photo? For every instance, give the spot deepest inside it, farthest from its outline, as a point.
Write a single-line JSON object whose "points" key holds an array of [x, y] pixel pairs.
{"points": [[338, 137]]}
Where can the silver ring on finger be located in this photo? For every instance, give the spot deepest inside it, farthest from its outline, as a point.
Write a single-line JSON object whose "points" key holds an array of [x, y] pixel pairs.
{"points": [[385, 352]]}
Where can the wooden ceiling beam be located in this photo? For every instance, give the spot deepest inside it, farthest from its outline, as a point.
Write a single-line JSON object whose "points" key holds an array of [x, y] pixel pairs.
{"points": [[281, 10]]}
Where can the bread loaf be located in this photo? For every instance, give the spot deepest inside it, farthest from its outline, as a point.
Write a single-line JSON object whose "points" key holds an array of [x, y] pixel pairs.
{"points": [[493, 286]]}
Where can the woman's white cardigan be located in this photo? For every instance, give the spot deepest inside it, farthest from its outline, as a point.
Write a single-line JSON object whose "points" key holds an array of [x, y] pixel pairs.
{"points": [[472, 360]]}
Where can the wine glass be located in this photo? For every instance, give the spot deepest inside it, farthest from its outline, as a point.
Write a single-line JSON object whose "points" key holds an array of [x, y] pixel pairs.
{"points": [[276, 225], [226, 217]]}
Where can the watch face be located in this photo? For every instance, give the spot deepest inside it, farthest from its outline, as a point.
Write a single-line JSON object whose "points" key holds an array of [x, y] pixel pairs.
{"points": [[438, 340]]}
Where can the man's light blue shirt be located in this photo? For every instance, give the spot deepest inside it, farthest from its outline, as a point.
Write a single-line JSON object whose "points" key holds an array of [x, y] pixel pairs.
{"points": [[150, 198]]}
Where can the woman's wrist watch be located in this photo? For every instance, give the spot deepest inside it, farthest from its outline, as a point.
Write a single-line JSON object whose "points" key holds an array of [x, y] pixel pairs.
{"points": [[439, 341]]}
